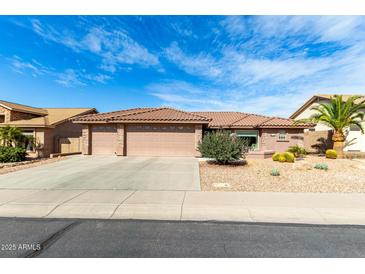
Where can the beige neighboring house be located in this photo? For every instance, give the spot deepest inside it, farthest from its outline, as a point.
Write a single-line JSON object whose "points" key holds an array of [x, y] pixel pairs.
{"points": [[170, 132], [318, 138], [51, 127]]}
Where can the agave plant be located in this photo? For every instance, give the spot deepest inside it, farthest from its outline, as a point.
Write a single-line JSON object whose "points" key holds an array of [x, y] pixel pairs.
{"points": [[339, 114]]}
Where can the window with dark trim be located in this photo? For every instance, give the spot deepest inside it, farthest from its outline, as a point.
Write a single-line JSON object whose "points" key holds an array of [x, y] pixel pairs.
{"points": [[252, 136], [282, 135], [2, 118], [30, 145]]}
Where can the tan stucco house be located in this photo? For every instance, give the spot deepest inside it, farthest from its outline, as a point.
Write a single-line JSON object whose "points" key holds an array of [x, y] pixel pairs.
{"points": [[318, 138], [51, 127], [171, 132]]}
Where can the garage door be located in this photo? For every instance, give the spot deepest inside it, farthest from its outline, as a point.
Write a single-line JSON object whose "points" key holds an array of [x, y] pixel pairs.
{"points": [[104, 139], [160, 140]]}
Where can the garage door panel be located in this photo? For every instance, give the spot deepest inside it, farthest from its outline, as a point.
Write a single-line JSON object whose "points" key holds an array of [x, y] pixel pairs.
{"points": [[160, 140], [104, 139]]}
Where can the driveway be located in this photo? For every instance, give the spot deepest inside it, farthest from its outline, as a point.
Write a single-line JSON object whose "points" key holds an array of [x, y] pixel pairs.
{"points": [[109, 172]]}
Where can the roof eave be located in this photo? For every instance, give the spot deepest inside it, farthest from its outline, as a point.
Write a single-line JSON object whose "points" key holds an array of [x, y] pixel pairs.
{"points": [[27, 125], [139, 122], [70, 118]]}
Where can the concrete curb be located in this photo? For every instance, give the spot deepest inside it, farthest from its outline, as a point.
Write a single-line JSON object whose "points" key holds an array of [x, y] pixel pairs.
{"points": [[300, 208]]}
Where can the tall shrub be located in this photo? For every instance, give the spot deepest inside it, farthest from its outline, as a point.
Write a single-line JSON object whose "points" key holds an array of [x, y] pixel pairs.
{"points": [[223, 146], [12, 154]]}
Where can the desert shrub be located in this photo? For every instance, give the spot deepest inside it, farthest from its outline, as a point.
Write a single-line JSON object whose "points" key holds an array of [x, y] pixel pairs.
{"points": [[275, 156], [12, 154], [282, 158], [289, 157], [331, 154], [223, 146], [275, 172], [321, 166], [297, 151]]}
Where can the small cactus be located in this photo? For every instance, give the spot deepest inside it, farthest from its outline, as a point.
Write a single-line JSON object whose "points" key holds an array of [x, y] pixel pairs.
{"points": [[275, 172], [282, 158], [331, 154], [289, 157], [321, 166], [275, 156]]}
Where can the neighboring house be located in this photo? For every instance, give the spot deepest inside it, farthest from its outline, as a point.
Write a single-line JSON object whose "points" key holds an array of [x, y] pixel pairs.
{"points": [[170, 132], [51, 127], [318, 138]]}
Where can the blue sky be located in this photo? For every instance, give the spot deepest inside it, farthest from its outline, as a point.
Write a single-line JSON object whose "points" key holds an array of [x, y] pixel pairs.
{"points": [[259, 64]]}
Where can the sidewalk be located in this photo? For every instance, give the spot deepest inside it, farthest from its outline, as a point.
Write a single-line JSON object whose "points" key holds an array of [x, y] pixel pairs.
{"points": [[312, 208]]}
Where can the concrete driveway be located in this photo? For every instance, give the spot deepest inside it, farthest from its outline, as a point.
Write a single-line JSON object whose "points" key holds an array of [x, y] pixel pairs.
{"points": [[109, 172]]}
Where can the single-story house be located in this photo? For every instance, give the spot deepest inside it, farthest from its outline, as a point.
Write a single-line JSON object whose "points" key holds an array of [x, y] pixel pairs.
{"points": [[170, 132], [51, 127], [319, 137]]}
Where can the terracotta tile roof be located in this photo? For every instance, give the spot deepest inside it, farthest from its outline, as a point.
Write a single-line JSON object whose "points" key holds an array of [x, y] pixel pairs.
{"points": [[53, 117], [162, 114], [223, 119], [109, 115], [246, 120], [23, 108]]}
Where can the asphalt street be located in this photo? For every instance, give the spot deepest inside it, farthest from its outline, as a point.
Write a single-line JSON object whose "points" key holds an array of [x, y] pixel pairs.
{"points": [[146, 239]]}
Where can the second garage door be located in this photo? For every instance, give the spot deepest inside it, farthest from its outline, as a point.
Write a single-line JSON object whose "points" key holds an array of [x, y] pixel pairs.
{"points": [[104, 139], [161, 140]]}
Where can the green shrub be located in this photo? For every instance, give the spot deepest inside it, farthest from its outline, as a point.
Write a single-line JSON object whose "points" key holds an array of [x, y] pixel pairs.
{"points": [[12, 154], [223, 146], [297, 151], [331, 154], [282, 158], [275, 172], [275, 156], [289, 157], [321, 166]]}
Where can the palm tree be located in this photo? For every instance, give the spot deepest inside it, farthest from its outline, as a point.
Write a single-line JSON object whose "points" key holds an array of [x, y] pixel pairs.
{"points": [[10, 136], [339, 115]]}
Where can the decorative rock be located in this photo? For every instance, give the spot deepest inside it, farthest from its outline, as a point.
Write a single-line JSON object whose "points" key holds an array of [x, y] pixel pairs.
{"points": [[221, 185], [302, 165]]}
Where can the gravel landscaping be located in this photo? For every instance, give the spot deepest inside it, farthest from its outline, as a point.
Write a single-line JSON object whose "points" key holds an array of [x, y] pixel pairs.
{"points": [[10, 167], [343, 175]]}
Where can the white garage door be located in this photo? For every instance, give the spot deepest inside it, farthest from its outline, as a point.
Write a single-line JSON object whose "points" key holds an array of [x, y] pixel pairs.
{"points": [[161, 140], [104, 139]]}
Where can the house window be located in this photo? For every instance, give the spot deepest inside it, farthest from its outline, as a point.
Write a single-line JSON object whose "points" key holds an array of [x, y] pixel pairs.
{"points": [[30, 143], [252, 136], [2, 118], [282, 135]]}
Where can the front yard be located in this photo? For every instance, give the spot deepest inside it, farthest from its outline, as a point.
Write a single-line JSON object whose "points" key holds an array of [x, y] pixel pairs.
{"points": [[343, 175]]}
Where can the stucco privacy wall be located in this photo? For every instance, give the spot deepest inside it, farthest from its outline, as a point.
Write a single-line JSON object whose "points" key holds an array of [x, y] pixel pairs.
{"points": [[65, 130], [317, 141], [44, 137], [121, 139], [269, 139]]}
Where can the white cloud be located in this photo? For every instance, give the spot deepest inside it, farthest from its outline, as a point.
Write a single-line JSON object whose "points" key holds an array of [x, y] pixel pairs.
{"points": [[115, 48], [32, 67], [202, 64], [69, 78], [344, 29], [235, 25]]}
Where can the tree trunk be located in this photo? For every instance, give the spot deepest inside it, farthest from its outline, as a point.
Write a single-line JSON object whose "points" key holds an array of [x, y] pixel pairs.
{"points": [[338, 139]]}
